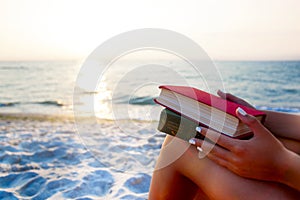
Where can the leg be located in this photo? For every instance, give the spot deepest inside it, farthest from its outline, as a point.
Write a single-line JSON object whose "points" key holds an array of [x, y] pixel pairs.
{"points": [[215, 181], [168, 183]]}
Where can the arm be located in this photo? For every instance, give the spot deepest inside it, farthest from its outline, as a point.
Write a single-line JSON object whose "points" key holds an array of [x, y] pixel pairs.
{"points": [[263, 157], [291, 177], [281, 124]]}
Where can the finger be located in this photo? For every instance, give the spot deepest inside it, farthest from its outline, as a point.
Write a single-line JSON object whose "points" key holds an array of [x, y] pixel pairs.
{"points": [[220, 161], [216, 137], [253, 123], [221, 94], [217, 151], [203, 144], [233, 98], [227, 96], [195, 141], [210, 148]]}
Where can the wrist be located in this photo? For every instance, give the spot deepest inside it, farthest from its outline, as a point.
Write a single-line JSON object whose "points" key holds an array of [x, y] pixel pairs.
{"points": [[282, 163], [289, 171]]}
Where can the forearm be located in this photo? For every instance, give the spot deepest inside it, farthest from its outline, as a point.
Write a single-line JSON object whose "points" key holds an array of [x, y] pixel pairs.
{"points": [[283, 124], [291, 173], [291, 144]]}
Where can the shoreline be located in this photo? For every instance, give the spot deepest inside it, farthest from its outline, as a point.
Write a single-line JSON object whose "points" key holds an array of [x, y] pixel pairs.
{"points": [[35, 117], [61, 118]]}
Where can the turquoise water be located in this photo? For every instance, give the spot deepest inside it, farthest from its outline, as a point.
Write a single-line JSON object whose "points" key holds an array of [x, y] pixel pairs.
{"points": [[109, 159]]}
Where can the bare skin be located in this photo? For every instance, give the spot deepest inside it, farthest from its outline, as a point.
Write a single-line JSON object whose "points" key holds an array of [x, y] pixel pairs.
{"points": [[263, 167], [189, 177], [263, 157]]}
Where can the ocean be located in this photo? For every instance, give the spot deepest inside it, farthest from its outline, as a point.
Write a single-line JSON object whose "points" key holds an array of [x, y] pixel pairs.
{"points": [[47, 87], [45, 154]]}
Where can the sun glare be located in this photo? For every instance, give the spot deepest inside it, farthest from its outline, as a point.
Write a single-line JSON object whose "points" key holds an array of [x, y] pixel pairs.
{"points": [[102, 101], [36, 29]]}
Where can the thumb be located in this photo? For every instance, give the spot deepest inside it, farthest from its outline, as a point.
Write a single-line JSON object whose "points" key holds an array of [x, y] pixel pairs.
{"points": [[251, 121]]}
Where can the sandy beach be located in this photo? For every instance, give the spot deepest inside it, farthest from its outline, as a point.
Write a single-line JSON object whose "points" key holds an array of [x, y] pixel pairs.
{"points": [[43, 157]]}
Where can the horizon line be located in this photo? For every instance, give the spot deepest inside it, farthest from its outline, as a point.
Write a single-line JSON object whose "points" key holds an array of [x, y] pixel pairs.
{"points": [[83, 59]]}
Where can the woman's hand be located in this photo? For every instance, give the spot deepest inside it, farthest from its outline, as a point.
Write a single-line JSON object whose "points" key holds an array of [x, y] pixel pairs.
{"points": [[262, 157], [284, 126], [231, 97]]}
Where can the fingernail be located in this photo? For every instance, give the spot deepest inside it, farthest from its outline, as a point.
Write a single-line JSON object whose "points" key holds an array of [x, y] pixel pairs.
{"points": [[201, 153], [241, 111], [192, 141], [198, 129], [200, 149]]}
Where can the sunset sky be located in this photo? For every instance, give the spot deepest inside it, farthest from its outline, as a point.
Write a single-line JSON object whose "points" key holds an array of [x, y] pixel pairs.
{"points": [[230, 30]]}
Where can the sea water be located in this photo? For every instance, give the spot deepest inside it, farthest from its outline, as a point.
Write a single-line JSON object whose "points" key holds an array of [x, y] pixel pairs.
{"points": [[114, 157], [47, 87]]}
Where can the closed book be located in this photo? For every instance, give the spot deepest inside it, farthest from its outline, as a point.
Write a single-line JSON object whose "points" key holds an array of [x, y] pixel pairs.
{"points": [[176, 125], [207, 109]]}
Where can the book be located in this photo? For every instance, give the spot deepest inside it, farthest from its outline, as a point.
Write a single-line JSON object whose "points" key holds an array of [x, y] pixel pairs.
{"points": [[176, 125], [206, 109]]}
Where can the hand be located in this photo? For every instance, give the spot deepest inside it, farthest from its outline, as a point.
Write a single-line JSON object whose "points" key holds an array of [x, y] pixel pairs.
{"points": [[234, 99], [283, 126], [262, 157]]}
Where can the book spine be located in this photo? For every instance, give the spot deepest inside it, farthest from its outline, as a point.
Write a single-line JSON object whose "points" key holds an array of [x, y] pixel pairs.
{"points": [[176, 125]]}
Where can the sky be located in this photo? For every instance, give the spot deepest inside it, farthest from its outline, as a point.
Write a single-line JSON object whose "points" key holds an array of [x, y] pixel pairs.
{"points": [[225, 29]]}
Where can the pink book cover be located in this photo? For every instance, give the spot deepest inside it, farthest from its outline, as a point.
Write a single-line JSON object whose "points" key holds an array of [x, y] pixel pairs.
{"points": [[211, 100]]}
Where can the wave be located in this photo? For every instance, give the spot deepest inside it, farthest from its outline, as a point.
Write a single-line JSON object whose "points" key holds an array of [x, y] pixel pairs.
{"points": [[13, 67], [47, 103], [280, 109], [53, 103], [9, 104], [291, 91], [146, 100], [142, 101]]}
